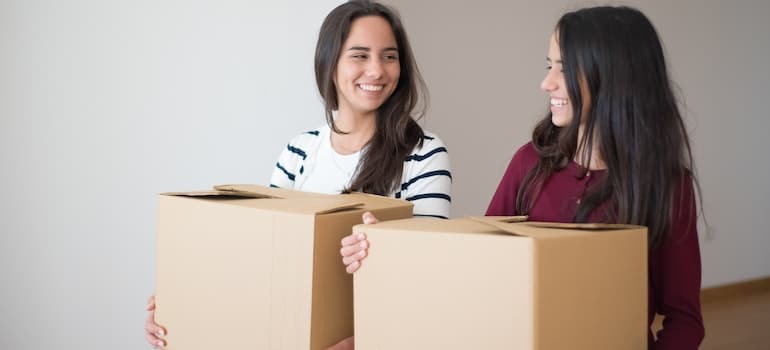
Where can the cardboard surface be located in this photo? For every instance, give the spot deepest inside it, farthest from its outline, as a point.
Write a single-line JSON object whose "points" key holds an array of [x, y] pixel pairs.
{"points": [[485, 284], [251, 267]]}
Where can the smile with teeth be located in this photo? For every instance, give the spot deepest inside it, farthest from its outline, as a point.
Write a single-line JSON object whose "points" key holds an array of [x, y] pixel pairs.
{"points": [[370, 87], [558, 102]]}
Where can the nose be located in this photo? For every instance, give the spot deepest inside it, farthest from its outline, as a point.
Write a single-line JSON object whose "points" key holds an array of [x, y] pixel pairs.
{"points": [[549, 82], [375, 68]]}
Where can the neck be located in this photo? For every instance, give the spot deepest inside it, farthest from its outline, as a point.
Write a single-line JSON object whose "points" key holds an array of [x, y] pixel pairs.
{"points": [[358, 131]]}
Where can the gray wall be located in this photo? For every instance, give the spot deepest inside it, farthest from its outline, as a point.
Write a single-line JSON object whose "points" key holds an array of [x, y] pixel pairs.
{"points": [[484, 63], [103, 104]]}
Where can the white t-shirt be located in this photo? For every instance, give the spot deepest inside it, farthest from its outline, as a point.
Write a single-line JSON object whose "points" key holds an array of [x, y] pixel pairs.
{"points": [[332, 172], [309, 163]]}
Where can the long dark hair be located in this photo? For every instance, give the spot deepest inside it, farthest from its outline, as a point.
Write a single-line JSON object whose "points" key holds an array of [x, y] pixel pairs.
{"points": [[614, 56], [382, 161]]}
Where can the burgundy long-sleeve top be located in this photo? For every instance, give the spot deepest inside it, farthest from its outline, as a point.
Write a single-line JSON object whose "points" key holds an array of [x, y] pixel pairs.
{"points": [[674, 267]]}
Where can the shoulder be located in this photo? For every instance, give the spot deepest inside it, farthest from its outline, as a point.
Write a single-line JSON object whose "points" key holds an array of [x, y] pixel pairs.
{"points": [[504, 200], [294, 157], [431, 147], [306, 143], [308, 138], [526, 155], [431, 139], [525, 158]]}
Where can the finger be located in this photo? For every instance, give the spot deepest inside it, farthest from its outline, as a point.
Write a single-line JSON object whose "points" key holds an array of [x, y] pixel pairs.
{"points": [[349, 342], [369, 218], [153, 328], [344, 344], [352, 239], [354, 249], [154, 341], [154, 337], [350, 250], [353, 258], [353, 267]]}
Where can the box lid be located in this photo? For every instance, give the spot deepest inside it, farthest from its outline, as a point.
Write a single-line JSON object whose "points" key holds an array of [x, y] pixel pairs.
{"points": [[271, 198], [517, 225], [508, 225]]}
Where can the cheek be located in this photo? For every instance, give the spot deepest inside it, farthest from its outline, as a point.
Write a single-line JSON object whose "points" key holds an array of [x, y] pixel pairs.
{"points": [[339, 76], [562, 83], [395, 75], [344, 72]]}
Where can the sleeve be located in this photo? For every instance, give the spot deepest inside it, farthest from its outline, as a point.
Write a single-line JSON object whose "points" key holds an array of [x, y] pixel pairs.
{"points": [[675, 279], [503, 202], [427, 181], [286, 167]]}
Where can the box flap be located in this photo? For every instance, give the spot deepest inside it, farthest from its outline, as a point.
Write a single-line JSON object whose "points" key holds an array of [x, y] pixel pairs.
{"points": [[582, 226], [216, 194], [517, 225], [500, 222], [498, 219], [317, 203], [327, 205], [271, 192], [373, 201], [289, 200]]}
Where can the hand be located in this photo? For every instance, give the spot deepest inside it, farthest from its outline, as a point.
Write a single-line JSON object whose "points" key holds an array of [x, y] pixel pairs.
{"points": [[344, 344], [354, 247], [153, 332]]}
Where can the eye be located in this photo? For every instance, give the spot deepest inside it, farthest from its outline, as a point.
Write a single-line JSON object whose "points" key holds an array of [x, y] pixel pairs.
{"points": [[550, 66], [391, 57]]}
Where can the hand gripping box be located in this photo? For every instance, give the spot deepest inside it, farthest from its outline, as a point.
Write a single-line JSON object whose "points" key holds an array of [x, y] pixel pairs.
{"points": [[483, 283], [251, 267]]}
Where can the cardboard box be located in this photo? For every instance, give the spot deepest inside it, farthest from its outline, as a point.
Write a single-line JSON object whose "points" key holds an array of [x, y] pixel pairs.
{"points": [[485, 284], [252, 267]]}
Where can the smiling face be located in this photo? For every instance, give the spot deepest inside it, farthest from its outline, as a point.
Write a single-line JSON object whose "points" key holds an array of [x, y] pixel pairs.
{"points": [[368, 68], [555, 85]]}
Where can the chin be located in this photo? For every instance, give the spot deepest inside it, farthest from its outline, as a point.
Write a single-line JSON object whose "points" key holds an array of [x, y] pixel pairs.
{"points": [[560, 121], [369, 107]]}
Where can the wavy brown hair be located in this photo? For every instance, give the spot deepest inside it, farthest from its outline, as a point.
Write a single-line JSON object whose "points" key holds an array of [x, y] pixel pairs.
{"points": [[382, 160], [632, 117]]}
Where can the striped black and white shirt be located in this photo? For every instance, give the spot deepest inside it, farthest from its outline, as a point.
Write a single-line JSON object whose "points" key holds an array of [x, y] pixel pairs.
{"points": [[309, 163]]}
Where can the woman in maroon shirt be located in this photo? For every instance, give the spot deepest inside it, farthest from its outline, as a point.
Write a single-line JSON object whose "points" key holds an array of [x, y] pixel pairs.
{"points": [[613, 148]]}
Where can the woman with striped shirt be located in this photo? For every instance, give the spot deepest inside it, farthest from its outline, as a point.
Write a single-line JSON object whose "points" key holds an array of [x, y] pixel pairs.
{"points": [[373, 143], [372, 92]]}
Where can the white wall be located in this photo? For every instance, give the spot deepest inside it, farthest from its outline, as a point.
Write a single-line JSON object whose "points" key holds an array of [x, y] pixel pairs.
{"points": [[103, 104], [484, 63]]}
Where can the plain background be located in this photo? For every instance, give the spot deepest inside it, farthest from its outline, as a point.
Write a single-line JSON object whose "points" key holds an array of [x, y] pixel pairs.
{"points": [[104, 104]]}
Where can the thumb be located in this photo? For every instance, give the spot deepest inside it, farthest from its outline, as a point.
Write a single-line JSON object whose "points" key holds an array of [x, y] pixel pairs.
{"points": [[369, 218]]}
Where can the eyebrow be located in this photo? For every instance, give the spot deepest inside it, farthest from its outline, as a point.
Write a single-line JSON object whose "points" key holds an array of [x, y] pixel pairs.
{"points": [[361, 48]]}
